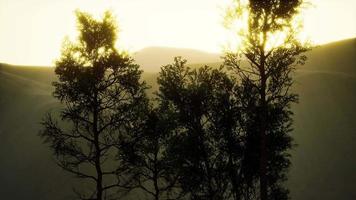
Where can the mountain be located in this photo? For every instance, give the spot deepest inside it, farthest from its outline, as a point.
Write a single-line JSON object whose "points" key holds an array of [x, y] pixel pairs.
{"points": [[323, 162], [152, 58], [27, 170], [336, 57]]}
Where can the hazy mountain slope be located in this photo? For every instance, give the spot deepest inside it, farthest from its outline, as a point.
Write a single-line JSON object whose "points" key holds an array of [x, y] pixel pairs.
{"points": [[152, 58], [334, 57], [324, 161], [27, 170], [325, 128]]}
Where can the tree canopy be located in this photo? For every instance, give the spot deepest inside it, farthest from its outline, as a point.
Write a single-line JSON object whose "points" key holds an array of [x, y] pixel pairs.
{"points": [[272, 50], [103, 97]]}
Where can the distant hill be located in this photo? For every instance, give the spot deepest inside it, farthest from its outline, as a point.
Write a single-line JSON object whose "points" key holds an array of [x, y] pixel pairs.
{"points": [[336, 57], [152, 58], [323, 163]]}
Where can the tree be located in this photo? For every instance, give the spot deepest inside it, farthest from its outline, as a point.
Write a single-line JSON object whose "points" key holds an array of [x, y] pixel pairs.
{"points": [[103, 98], [147, 159], [271, 62], [205, 145]]}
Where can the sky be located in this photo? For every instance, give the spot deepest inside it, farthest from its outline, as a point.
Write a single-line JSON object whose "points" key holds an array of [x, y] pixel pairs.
{"points": [[32, 31]]}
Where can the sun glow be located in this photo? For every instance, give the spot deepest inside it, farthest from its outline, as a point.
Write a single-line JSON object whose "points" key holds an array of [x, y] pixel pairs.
{"points": [[32, 31]]}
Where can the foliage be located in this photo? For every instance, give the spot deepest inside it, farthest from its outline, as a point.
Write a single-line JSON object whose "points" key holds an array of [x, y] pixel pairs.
{"points": [[103, 98], [206, 147], [145, 155], [272, 52]]}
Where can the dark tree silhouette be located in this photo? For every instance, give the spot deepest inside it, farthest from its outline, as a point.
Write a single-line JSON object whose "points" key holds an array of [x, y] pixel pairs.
{"points": [[103, 101], [147, 159], [268, 73], [205, 150]]}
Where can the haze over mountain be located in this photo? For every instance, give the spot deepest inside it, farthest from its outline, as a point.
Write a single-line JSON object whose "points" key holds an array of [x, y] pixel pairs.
{"points": [[152, 58], [323, 163]]}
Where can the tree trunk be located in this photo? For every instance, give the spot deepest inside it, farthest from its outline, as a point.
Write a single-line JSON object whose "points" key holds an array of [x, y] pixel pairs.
{"points": [[155, 176], [263, 137], [263, 165], [99, 181], [233, 178], [99, 173]]}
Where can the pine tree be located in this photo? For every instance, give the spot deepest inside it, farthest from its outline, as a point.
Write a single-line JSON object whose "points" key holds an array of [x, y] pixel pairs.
{"points": [[102, 98], [272, 51]]}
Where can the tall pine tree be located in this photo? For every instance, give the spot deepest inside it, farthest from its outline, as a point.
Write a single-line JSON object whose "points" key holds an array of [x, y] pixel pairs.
{"points": [[272, 51], [103, 97]]}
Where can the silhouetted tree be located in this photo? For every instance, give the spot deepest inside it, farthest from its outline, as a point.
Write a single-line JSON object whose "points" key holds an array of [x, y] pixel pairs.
{"points": [[103, 100], [272, 51], [147, 159], [206, 150]]}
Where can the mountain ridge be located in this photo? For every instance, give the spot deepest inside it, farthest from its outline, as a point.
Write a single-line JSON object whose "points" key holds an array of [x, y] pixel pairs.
{"points": [[151, 58]]}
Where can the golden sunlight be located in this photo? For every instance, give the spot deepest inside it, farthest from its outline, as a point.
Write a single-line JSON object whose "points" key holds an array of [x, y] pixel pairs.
{"points": [[32, 31]]}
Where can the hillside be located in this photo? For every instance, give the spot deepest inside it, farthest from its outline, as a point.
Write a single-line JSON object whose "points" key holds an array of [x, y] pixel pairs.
{"points": [[152, 58], [323, 162]]}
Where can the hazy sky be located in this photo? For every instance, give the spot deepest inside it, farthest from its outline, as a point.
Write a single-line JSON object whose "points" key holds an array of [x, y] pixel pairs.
{"points": [[32, 31]]}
